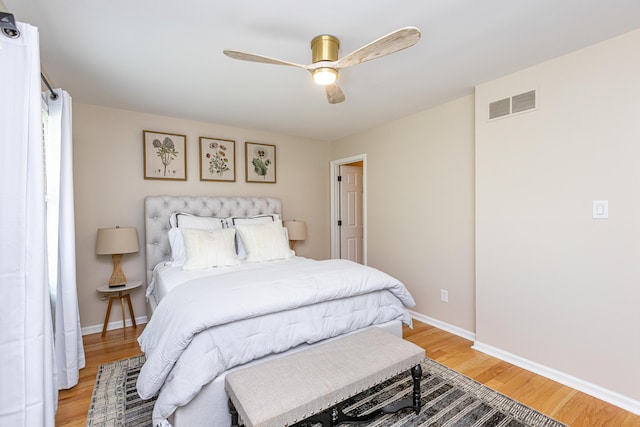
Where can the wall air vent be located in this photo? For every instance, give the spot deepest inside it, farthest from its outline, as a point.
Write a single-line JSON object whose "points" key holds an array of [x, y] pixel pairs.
{"points": [[516, 104], [500, 108], [523, 102]]}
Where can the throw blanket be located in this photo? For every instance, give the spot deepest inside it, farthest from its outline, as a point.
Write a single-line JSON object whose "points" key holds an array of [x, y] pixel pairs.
{"points": [[209, 325]]}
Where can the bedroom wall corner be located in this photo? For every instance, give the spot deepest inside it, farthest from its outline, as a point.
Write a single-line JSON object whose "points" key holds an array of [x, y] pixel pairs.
{"points": [[420, 211], [110, 189]]}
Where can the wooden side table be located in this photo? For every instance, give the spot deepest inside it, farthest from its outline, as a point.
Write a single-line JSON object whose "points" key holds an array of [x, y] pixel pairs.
{"points": [[119, 293]]}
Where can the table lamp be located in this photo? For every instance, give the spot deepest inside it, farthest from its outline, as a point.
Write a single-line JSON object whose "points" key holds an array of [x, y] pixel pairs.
{"points": [[115, 242], [297, 231]]}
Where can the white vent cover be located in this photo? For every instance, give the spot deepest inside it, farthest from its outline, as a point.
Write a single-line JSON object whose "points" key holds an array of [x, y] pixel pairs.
{"points": [[516, 104]]}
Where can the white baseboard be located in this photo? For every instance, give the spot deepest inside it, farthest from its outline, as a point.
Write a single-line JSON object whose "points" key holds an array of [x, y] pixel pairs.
{"points": [[116, 324], [444, 326], [594, 390]]}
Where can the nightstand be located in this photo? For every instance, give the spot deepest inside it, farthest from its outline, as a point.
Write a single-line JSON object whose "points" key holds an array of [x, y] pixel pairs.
{"points": [[119, 293]]}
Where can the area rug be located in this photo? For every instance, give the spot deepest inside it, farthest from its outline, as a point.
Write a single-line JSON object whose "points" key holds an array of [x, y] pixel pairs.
{"points": [[115, 401], [448, 399]]}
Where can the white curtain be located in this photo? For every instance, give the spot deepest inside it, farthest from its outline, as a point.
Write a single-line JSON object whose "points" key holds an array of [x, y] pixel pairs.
{"points": [[28, 392], [61, 240]]}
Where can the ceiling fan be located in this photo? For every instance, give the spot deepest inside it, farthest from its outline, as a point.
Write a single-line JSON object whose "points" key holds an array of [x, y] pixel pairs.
{"points": [[324, 55]]}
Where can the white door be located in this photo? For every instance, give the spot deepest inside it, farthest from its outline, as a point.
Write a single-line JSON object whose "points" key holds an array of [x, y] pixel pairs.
{"points": [[350, 221]]}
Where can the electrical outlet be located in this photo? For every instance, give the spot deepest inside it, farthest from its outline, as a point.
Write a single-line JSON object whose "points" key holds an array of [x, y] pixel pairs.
{"points": [[444, 295]]}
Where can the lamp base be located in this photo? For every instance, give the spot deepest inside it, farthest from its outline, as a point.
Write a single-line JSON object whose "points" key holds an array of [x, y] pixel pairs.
{"points": [[117, 276]]}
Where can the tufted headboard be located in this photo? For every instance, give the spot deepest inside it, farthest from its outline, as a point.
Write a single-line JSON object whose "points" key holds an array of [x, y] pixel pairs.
{"points": [[158, 209]]}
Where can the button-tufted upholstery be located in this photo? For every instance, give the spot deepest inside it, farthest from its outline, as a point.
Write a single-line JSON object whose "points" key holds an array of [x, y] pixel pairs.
{"points": [[158, 209]]}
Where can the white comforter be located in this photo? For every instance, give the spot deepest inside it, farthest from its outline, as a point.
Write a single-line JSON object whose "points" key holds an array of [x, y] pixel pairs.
{"points": [[209, 325]]}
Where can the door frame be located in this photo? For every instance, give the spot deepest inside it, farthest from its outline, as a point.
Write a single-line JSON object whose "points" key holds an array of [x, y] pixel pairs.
{"points": [[335, 204]]}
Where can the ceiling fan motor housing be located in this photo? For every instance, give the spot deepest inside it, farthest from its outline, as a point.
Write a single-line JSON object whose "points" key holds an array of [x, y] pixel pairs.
{"points": [[324, 48]]}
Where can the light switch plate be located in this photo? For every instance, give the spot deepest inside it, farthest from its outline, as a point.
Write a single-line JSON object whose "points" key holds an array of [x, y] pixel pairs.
{"points": [[600, 209]]}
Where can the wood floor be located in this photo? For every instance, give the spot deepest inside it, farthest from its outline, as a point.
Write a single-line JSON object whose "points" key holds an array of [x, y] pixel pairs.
{"points": [[73, 404], [560, 402]]}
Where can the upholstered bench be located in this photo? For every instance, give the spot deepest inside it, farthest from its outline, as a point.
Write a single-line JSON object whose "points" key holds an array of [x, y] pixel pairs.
{"points": [[309, 385]]}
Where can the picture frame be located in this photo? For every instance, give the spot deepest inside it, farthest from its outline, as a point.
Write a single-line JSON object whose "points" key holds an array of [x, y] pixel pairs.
{"points": [[260, 162], [217, 159], [165, 155]]}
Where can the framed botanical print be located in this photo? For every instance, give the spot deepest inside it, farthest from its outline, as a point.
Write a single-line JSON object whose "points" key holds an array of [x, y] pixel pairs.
{"points": [[165, 155], [217, 159], [260, 162]]}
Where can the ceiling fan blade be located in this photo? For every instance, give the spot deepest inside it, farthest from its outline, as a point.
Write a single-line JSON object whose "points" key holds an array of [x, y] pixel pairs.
{"points": [[252, 57], [392, 42], [334, 94]]}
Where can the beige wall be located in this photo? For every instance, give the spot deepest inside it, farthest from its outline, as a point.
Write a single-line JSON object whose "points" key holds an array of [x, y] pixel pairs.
{"points": [[555, 286], [109, 189], [420, 206]]}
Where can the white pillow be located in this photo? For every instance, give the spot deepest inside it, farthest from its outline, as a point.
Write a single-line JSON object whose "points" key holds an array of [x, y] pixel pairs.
{"points": [[178, 254], [232, 221], [186, 220], [258, 219], [265, 242], [209, 248]]}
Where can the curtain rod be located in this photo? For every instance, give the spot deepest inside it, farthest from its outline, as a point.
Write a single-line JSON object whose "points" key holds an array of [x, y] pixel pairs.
{"points": [[8, 25], [53, 95], [9, 28]]}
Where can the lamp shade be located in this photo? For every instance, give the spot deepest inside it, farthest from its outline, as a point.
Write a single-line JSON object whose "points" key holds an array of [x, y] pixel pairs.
{"points": [[118, 240], [297, 230]]}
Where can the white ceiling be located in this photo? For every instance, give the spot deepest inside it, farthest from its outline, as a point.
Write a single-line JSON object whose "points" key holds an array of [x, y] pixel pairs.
{"points": [[165, 57]]}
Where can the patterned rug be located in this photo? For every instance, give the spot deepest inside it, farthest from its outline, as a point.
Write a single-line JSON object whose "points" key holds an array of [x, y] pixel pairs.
{"points": [[448, 399], [115, 401]]}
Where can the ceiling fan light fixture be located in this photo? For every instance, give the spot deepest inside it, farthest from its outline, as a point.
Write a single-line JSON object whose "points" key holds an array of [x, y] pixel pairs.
{"points": [[324, 76], [324, 54]]}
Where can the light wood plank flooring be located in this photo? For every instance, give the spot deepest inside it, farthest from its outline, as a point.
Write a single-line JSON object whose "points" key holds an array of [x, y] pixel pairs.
{"points": [[73, 404], [560, 402]]}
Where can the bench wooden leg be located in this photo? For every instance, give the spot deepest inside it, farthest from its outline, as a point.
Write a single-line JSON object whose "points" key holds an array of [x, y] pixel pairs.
{"points": [[234, 414], [334, 416], [416, 374]]}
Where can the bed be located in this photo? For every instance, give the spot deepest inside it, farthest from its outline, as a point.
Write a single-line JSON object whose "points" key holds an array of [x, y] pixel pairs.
{"points": [[259, 303]]}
